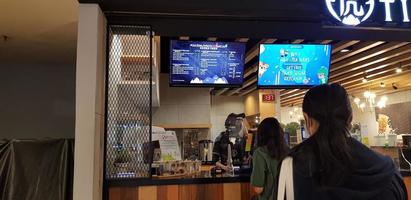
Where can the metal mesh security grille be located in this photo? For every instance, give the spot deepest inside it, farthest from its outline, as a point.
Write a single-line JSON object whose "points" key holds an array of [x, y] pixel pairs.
{"points": [[128, 122]]}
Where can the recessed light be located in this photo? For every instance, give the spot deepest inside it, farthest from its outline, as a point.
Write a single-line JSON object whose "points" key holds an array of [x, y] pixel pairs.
{"points": [[345, 50], [5, 38], [398, 70]]}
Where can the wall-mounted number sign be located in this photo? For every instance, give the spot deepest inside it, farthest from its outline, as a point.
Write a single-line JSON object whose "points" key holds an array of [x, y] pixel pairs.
{"points": [[268, 97]]}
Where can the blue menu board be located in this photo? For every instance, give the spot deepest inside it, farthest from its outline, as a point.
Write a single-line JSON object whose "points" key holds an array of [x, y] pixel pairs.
{"points": [[200, 63], [293, 66]]}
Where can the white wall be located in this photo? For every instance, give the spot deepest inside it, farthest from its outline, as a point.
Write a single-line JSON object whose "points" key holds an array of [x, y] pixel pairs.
{"points": [[368, 117], [285, 115], [221, 107], [37, 101], [90, 76], [369, 126], [182, 105], [194, 106]]}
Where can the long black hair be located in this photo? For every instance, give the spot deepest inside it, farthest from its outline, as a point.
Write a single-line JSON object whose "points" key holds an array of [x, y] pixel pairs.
{"points": [[330, 106], [271, 135]]}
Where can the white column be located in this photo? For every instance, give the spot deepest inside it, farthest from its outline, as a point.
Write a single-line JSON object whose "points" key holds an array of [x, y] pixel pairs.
{"points": [[278, 105], [88, 160]]}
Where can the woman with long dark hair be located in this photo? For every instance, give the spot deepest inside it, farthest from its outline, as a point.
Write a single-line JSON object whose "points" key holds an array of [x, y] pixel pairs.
{"points": [[331, 164], [271, 148]]}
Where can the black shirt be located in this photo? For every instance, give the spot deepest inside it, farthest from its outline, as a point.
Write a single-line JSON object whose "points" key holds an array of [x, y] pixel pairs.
{"points": [[373, 176], [220, 148]]}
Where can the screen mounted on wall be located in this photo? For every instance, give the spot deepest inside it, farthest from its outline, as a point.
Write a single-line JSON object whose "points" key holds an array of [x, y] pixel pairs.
{"points": [[293, 65], [204, 63]]}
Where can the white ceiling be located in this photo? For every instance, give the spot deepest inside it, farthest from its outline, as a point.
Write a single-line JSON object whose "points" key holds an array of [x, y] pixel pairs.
{"points": [[39, 31]]}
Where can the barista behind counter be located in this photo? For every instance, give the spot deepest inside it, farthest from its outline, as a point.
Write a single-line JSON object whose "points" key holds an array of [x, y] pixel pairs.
{"points": [[235, 138]]}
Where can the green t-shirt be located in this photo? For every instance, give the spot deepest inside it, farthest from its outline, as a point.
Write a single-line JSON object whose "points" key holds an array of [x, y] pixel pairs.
{"points": [[264, 173]]}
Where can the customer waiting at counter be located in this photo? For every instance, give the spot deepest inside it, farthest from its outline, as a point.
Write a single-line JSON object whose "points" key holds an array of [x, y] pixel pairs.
{"points": [[331, 164], [271, 148]]}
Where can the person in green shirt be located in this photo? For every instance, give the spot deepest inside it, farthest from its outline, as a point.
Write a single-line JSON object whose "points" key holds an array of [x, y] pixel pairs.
{"points": [[271, 149]]}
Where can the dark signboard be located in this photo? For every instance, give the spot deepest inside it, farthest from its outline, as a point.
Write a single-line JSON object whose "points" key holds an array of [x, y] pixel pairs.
{"points": [[368, 13], [386, 20]]}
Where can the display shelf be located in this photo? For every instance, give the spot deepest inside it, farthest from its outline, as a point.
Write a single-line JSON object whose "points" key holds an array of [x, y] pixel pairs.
{"points": [[135, 59]]}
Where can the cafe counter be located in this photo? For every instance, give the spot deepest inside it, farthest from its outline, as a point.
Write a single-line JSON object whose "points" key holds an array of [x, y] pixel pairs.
{"points": [[196, 187]]}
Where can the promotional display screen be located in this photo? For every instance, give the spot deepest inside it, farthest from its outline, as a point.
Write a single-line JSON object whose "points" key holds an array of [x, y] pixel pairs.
{"points": [[195, 63], [293, 66]]}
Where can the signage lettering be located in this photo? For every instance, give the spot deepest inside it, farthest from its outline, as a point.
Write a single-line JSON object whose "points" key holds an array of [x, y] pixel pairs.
{"points": [[387, 4], [354, 12], [405, 11]]}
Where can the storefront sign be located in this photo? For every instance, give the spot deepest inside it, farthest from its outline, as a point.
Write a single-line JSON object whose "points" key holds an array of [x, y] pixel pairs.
{"points": [[268, 98], [372, 12]]}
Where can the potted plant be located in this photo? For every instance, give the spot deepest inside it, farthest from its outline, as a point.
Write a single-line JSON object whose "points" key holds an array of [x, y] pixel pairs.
{"points": [[292, 128]]}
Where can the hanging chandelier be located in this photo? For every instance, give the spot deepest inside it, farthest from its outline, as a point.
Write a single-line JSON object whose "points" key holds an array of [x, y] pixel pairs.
{"points": [[370, 101]]}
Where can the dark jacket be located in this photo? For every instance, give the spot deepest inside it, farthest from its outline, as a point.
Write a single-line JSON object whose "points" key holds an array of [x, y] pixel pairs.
{"points": [[372, 176], [220, 148]]}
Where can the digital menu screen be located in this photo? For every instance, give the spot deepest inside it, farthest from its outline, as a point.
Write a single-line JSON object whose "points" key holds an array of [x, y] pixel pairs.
{"points": [[293, 66], [200, 63]]}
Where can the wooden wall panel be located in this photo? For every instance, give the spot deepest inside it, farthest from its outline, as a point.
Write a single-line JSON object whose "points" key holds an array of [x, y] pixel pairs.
{"points": [[147, 193], [167, 192], [232, 191], [211, 191], [407, 181], [123, 193], [246, 191], [188, 192], [226, 191]]}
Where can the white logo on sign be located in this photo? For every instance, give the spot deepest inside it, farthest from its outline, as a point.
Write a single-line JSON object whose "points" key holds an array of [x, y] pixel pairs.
{"points": [[350, 12]]}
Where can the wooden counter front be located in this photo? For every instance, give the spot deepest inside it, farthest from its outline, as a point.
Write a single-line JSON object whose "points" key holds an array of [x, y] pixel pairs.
{"points": [[219, 191]]}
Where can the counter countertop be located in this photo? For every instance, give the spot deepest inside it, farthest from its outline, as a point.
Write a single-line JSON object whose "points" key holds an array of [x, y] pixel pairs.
{"points": [[405, 173], [202, 178]]}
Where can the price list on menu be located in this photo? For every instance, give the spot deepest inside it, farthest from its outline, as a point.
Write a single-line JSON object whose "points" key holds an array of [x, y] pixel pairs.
{"points": [[205, 60]]}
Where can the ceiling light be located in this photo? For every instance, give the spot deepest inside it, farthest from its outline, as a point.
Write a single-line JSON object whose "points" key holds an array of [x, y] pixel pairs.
{"points": [[364, 80], [5, 38], [367, 94], [381, 104], [394, 86], [398, 70], [345, 50], [382, 84]]}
